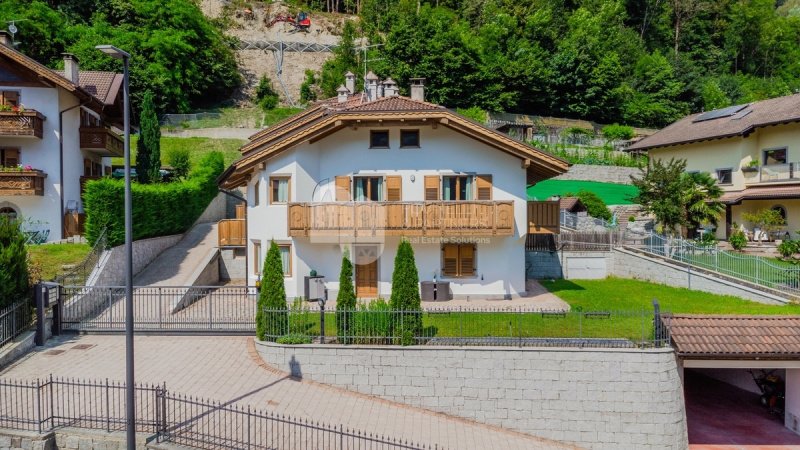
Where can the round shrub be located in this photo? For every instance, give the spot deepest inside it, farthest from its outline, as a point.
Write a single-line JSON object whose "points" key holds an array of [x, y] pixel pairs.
{"points": [[738, 240]]}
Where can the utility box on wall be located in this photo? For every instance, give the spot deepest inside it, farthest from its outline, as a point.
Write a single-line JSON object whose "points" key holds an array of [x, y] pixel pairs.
{"points": [[314, 288]]}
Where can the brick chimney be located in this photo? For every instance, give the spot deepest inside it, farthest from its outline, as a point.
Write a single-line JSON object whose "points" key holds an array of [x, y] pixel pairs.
{"points": [[418, 89], [342, 94], [350, 82], [371, 85], [5, 38], [71, 67]]}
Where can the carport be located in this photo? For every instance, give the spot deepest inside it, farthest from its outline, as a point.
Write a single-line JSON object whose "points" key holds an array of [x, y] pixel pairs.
{"points": [[715, 354]]}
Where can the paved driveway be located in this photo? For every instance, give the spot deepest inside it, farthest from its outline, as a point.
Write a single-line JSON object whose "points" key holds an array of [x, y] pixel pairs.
{"points": [[227, 369]]}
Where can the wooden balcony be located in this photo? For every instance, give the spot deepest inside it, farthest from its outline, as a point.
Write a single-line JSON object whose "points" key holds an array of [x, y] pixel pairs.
{"points": [[27, 182], [25, 123], [447, 219], [231, 233], [102, 141]]}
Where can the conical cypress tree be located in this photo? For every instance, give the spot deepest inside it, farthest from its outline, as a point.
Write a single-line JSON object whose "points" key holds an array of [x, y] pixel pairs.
{"points": [[345, 301], [272, 315], [148, 147], [14, 284], [405, 295]]}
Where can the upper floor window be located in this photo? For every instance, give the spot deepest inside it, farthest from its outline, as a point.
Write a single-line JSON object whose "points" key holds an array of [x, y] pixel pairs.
{"points": [[409, 138], [379, 139], [279, 189], [457, 187], [9, 157], [724, 176], [257, 193], [9, 98], [88, 120], [368, 189], [775, 156]]}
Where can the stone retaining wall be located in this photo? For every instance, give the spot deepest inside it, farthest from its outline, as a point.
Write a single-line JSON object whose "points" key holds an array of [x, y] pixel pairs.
{"points": [[595, 398], [605, 174], [67, 439], [112, 263]]}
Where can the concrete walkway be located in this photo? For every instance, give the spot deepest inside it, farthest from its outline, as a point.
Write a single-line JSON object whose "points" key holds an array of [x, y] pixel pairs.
{"points": [[175, 266], [227, 368]]}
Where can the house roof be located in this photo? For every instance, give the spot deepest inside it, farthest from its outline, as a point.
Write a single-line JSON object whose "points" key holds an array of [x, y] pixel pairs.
{"points": [[761, 193], [328, 116], [92, 101], [742, 122], [734, 337], [569, 203], [102, 85]]}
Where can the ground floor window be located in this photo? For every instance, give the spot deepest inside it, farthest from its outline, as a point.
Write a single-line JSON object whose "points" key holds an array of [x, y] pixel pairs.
{"points": [[257, 261], [8, 212], [781, 210], [458, 260], [286, 258]]}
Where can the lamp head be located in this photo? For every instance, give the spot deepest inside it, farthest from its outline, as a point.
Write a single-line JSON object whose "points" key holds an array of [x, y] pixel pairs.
{"points": [[113, 52]]}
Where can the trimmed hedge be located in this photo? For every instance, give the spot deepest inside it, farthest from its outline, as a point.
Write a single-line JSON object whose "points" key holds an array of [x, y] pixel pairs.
{"points": [[159, 209]]}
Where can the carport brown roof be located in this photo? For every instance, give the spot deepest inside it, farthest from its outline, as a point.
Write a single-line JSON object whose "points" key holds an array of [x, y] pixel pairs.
{"points": [[734, 337], [761, 193]]}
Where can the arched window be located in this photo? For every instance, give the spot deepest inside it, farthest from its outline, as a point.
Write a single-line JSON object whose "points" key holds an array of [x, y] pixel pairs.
{"points": [[781, 210], [8, 212]]}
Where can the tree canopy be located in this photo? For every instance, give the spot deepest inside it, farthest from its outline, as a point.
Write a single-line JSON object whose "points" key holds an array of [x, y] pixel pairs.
{"points": [[639, 62], [176, 52]]}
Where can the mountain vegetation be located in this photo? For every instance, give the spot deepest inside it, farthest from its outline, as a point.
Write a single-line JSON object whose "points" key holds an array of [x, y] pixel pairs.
{"points": [[638, 62], [176, 52]]}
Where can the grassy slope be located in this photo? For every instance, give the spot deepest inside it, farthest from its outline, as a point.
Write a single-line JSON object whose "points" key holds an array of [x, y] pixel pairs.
{"points": [[197, 146], [625, 294], [51, 257], [611, 193]]}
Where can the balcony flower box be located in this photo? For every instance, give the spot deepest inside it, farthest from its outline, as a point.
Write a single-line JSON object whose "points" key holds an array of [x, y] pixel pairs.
{"points": [[749, 169], [21, 181], [22, 123]]}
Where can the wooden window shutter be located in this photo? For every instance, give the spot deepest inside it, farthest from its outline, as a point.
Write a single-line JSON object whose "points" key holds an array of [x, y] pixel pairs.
{"points": [[450, 260], [484, 183], [343, 189], [432, 188], [12, 157], [466, 260], [394, 188]]}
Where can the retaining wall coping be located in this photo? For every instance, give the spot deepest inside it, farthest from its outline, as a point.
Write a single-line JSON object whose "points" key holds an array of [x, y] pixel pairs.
{"points": [[472, 348]]}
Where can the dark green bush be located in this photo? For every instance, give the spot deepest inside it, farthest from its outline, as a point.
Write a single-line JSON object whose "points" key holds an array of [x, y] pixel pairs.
{"points": [[738, 240], [294, 339], [266, 97], [405, 295], [345, 301], [372, 323], [788, 248], [159, 209], [595, 205], [13, 263], [272, 313]]}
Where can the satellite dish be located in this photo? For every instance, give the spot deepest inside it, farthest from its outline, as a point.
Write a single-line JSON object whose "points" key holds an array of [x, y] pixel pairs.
{"points": [[12, 28]]}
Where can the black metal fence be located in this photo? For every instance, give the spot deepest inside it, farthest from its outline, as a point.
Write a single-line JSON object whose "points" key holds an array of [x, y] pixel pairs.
{"points": [[45, 405], [14, 320], [228, 309], [523, 327]]}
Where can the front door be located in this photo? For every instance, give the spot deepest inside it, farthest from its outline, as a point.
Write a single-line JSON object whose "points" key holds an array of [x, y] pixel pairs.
{"points": [[366, 271]]}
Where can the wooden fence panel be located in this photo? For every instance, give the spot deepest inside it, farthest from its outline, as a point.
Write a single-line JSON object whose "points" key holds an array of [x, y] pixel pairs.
{"points": [[543, 217]]}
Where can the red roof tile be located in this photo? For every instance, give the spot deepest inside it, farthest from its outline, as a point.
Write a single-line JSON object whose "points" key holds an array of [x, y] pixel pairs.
{"points": [[102, 85], [735, 337]]}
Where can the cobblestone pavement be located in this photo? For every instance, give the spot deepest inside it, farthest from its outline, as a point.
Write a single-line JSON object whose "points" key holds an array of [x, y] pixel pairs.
{"points": [[226, 368]]}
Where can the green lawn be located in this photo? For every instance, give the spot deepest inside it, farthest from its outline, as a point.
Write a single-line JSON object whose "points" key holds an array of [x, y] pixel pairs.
{"points": [[51, 257], [770, 272], [611, 193], [252, 117], [197, 146], [626, 294]]}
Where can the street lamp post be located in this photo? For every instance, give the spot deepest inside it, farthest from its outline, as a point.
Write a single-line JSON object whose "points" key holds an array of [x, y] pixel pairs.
{"points": [[130, 392]]}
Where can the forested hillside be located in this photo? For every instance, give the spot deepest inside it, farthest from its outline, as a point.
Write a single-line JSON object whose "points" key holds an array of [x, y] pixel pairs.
{"points": [[640, 62], [176, 51]]}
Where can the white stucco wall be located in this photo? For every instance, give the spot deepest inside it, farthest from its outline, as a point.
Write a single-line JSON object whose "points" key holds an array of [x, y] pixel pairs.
{"points": [[314, 167], [43, 154]]}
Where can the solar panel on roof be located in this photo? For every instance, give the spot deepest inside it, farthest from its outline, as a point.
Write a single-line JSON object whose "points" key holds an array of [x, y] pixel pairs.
{"points": [[719, 113]]}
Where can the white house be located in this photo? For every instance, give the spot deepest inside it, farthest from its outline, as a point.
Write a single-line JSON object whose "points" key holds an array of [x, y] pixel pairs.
{"points": [[360, 172], [54, 135]]}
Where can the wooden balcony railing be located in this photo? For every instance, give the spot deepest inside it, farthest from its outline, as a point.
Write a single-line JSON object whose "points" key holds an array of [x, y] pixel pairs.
{"points": [[101, 140], [25, 123], [455, 218], [28, 182], [231, 233]]}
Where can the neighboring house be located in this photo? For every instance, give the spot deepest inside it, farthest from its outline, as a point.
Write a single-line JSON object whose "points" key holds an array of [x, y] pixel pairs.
{"points": [[54, 136], [571, 204], [361, 171], [752, 150]]}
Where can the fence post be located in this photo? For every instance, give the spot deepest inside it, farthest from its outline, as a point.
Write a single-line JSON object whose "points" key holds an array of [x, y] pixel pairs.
{"points": [[110, 311], [52, 404], [248, 427], [657, 321], [519, 330], [41, 299], [210, 310], [160, 306], [38, 405], [108, 407]]}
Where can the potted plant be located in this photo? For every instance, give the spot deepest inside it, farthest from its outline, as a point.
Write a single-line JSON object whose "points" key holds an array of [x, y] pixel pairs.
{"points": [[750, 167]]}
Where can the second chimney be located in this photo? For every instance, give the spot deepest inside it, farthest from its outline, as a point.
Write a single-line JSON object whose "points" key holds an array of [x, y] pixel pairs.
{"points": [[418, 89], [71, 67], [5, 38], [350, 82]]}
